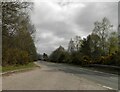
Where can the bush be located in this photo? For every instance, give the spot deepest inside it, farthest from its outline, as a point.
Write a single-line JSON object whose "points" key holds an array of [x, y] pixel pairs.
{"points": [[75, 58], [112, 59], [78, 58], [23, 58], [15, 57], [86, 60]]}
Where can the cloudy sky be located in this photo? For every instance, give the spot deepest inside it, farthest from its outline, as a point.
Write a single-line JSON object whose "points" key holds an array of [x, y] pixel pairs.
{"points": [[57, 22]]}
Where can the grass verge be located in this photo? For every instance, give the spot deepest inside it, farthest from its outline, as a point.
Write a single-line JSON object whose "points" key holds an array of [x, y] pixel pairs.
{"points": [[19, 67]]}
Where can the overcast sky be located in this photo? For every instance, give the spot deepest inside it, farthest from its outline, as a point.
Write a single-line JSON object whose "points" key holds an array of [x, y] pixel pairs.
{"points": [[57, 22]]}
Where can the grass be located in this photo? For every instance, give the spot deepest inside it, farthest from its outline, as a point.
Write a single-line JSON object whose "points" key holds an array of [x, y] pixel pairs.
{"points": [[19, 67]]}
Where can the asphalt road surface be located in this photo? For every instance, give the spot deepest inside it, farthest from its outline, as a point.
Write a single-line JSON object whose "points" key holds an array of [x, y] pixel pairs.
{"points": [[54, 76]]}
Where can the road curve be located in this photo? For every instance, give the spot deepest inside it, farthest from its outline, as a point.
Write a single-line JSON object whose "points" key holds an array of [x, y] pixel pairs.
{"points": [[54, 76]]}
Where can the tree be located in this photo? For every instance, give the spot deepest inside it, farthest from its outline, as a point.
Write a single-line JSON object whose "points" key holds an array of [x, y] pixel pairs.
{"points": [[85, 47], [74, 44], [60, 56], [113, 42], [16, 33], [71, 46], [95, 45], [77, 42], [102, 29]]}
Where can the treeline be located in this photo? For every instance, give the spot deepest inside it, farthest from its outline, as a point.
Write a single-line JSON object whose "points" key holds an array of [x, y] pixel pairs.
{"points": [[17, 42], [100, 47]]}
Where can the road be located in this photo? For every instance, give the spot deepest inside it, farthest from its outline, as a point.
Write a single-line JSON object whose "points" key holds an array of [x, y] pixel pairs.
{"points": [[54, 76]]}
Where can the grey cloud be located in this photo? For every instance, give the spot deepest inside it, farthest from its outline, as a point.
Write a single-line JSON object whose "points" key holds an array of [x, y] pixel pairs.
{"points": [[95, 12], [55, 25], [59, 28]]}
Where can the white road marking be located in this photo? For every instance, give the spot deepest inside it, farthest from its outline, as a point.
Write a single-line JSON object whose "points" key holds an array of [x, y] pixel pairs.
{"points": [[107, 87]]}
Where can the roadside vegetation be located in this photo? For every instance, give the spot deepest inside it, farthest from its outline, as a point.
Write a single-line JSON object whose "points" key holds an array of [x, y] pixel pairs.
{"points": [[18, 67], [99, 47], [18, 49]]}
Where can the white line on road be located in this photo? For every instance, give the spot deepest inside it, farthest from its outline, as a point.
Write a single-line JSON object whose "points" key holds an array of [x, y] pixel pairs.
{"points": [[107, 87]]}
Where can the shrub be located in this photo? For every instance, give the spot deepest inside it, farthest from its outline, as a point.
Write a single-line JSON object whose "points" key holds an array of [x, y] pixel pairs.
{"points": [[23, 58], [112, 59], [76, 58], [15, 56], [86, 60]]}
